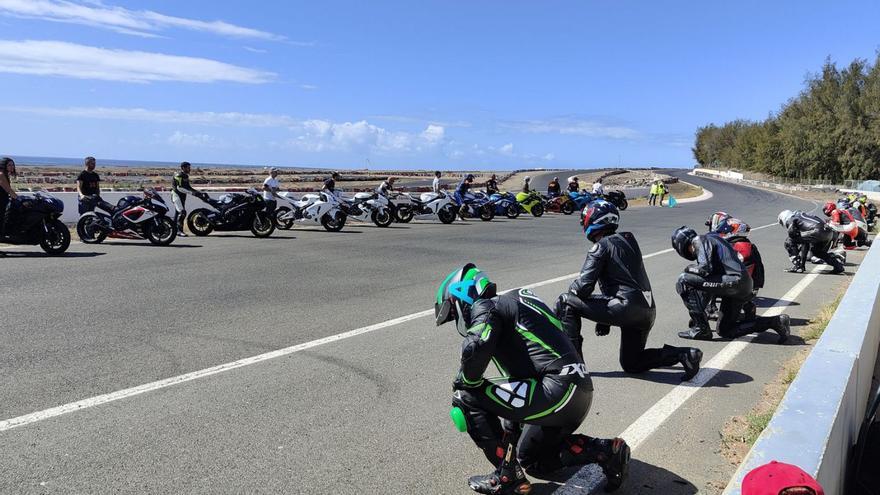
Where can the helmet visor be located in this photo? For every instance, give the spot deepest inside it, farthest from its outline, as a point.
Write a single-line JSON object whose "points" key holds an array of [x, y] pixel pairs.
{"points": [[444, 312]]}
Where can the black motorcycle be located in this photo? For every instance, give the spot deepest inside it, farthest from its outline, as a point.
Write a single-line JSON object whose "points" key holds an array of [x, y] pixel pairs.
{"points": [[618, 199], [35, 219], [133, 217], [233, 211]]}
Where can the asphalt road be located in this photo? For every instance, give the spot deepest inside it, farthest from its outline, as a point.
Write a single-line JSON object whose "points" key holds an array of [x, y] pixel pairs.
{"points": [[366, 414]]}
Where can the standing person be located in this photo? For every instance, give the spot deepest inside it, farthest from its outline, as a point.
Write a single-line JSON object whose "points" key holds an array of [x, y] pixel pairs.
{"points": [[492, 186], [386, 187], [807, 234], [7, 193], [553, 188], [573, 185], [615, 263], [88, 185], [271, 188], [329, 186], [180, 187], [435, 184], [598, 188], [652, 199], [663, 190], [718, 272], [525, 420], [526, 184]]}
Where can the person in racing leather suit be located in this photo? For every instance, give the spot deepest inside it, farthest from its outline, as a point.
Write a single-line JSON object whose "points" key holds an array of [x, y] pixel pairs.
{"points": [[180, 187], [736, 232], [492, 185], [626, 301], [718, 272], [808, 234], [844, 225], [573, 185], [553, 188], [527, 418]]}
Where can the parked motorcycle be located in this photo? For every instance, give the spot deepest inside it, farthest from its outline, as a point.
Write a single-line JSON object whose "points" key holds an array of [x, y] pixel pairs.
{"points": [[319, 208], [133, 217], [581, 199], [402, 206], [35, 219], [559, 204], [477, 205], [427, 207], [505, 204], [531, 202], [232, 212], [618, 199], [369, 207]]}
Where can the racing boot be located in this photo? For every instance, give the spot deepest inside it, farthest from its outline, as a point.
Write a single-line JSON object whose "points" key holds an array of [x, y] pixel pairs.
{"points": [[697, 333], [712, 311], [611, 454], [508, 479], [689, 357], [782, 326], [796, 265]]}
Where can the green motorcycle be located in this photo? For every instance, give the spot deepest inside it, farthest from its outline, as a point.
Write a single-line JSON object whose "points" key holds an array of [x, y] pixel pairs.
{"points": [[531, 202]]}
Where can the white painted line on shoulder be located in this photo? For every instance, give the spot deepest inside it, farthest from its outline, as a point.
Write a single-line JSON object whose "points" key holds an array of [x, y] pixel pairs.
{"points": [[648, 422]]}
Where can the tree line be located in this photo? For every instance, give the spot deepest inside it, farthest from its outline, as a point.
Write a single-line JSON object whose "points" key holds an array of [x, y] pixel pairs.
{"points": [[830, 131]]}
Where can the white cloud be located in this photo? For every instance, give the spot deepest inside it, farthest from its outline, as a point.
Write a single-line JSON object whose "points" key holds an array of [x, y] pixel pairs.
{"points": [[190, 140], [322, 135], [308, 87], [119, 19], [549, 157], [588, 128], [506, 150], [433, 134], [59, 58], [233, 119]]}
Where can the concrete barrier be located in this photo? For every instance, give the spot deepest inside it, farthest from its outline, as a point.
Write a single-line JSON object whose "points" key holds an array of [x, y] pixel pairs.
{"points": [[817, 422]]}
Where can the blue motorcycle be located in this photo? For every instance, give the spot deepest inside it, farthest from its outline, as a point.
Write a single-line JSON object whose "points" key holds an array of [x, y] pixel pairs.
{"points": [[505, 204], [477, 205], [581, 199]]}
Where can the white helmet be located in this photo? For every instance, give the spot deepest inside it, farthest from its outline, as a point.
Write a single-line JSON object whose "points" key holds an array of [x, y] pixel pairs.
{"points": [[785, 217], [573, 178], [526, 178]]}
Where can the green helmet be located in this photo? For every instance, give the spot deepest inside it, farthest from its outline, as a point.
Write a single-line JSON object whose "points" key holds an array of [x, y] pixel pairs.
{"points": [[458, 292]]}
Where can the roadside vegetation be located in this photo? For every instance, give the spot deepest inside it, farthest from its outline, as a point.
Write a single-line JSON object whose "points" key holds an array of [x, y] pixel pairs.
{"points": [[830, 131]]}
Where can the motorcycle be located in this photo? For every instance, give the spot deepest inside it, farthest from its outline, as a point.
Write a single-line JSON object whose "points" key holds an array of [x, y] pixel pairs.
{"points": [[477, 205], [319, 208], [581, 199], [428, 206], [231, 212], [618, 199], [402, 206], [559, 204], [531, 202], [505, 204], [369, 207], [35, 219], [133, 217]]}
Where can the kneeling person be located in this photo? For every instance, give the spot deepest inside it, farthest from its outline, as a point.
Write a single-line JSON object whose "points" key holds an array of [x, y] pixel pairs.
{"points": [[718, 272], [543, 398], [615, 263], [808, 234]]}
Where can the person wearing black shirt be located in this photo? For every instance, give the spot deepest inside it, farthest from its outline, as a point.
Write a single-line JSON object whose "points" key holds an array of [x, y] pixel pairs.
{"points": [[7, 193], [553, 188], [88, 184], [492, 185], [180, 187], [330, 184]]}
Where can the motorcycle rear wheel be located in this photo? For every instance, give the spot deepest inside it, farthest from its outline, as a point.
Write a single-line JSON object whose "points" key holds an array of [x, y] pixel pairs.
{"points": [[198, 223], [404, 213], [57, 239], [88, 231], [624, 204], [283, 224], [568, 208]]}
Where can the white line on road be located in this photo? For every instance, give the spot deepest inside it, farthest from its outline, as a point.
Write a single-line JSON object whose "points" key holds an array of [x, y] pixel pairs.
{"points": [[648, 422], [52, 412]]}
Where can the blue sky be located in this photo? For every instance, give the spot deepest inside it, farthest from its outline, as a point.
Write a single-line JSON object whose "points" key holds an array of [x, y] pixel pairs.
{"points": [[427, 84]]}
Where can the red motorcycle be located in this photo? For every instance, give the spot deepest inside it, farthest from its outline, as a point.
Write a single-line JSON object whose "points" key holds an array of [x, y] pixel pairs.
{"points": [[560, 204]]}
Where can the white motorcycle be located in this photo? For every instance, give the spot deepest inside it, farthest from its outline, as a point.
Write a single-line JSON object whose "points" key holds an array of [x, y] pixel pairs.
{"points": [[318, 208], [428, 207], [369, 207]]}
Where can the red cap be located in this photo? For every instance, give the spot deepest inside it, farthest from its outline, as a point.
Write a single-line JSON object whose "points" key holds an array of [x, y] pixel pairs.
{"points": [[778, 478]]}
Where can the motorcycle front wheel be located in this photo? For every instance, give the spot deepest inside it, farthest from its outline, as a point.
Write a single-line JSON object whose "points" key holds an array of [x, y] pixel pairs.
{"points": [[538, 210], [262, 225], [162, 231], [333, 223], [382, 217], [487, 213], [512, 211], [198, 222], [446, 214], [56, 239]]}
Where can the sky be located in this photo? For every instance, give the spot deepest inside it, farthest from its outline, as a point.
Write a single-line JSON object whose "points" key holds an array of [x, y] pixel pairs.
{"points": [[406, 84]]}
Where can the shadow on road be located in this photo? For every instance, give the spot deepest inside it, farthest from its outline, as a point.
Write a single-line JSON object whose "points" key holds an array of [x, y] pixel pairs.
{"points": [[248, 236], [766, 302], [643, 478], [323, 231], [40, 254], [672, 376], [151, 245]]}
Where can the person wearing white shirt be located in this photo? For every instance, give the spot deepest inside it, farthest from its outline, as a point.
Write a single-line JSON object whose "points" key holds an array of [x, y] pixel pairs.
{"points": [[435, 186], [270, 190], [598, 188]]}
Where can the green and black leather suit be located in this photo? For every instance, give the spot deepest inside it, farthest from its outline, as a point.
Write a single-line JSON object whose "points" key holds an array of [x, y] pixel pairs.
{"points": [[545, 386]]}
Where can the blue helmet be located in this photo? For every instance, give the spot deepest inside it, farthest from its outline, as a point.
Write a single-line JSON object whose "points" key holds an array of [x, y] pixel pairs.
{"points": [[599, 217]]}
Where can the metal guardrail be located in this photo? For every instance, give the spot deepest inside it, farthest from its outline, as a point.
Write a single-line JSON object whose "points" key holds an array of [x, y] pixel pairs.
{"points": [[817, 422]]}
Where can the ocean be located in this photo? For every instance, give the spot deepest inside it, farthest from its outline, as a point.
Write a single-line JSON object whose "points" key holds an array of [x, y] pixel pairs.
{"points": [[52, 161]]}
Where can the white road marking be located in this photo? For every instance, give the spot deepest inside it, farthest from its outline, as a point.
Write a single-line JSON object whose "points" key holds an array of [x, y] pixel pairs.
{"points": [[648, 422], [52, 412]]}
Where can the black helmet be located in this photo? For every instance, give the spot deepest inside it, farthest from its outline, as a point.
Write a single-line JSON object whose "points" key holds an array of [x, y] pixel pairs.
{"points": [[469, 177], [681, 241]]}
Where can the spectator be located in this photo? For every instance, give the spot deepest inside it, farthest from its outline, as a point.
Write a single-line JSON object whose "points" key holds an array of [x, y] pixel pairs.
{"points": [[663, 190], [652, 199]]}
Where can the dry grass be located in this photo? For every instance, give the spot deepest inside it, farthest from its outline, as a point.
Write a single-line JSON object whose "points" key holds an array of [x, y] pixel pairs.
{"points": [[680, 190]]}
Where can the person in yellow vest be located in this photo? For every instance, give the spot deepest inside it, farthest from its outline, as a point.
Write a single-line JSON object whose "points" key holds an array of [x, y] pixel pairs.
{"points": [[654, 192]]}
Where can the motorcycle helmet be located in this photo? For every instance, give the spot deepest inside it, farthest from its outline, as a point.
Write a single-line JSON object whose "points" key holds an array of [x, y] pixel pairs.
{"points": [[599, 217], [715, 220], [732, 227], [843, 203], [527, 179], [829, 208], [785, 217], [469, 177], [682, 239], [458, 292]]}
